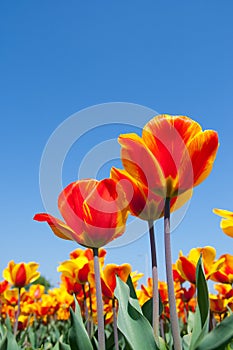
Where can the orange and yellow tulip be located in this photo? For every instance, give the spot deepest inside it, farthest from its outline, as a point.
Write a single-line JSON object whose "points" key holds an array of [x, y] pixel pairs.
{"points": [[95, 212], [225, 273], [76, 269], [21, 274], [173, 155], [143, 202], [226, 223], [186, 266], [108, 280]]}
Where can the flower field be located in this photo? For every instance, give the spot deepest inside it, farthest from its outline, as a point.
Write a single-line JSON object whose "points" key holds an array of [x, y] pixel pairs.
{"points": [[105, 306]]}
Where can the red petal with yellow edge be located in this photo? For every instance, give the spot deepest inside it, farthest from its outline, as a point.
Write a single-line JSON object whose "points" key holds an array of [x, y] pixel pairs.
{"points": [[83, 273], [219, 277], [140, 163], [106, 290], [110, 272], [202, 150], [186, 269], [59, 228], [166, 136], [105, 211], [70, 203], [228, 264], [20, 276], [226, 214], [143, 203]]}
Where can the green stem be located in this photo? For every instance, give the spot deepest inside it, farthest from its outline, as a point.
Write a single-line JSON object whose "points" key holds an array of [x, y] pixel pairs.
{"points": [[115, 324], [17, 313], [100, 310], [155, 311], [170, 283]]}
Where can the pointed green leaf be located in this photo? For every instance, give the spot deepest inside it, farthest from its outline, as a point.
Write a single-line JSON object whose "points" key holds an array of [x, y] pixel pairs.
{"points": [[3, 341], [78, 337], [133, 295], [134, 326], [147, 309], [11, 342], [219, 337], [61, 346], [201, 318]]}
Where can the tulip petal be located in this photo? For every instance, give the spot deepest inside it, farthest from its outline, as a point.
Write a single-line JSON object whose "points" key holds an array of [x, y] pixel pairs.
{"points": [[140, 163], [105, 213], [202, 149], [167, 136], [226, 214], [70, 203], [143, 203], [186, 269], [59, 228]]}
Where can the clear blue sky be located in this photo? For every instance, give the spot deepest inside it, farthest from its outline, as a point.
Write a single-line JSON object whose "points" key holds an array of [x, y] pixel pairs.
{"points": [[58, 57]]}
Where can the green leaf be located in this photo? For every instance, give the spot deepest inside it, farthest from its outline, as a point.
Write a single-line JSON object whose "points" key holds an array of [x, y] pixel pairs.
{"points": [[61, 346], [3, 342], [32, 337], [11, 342], [78, 337], [147, 309], [8, 324], [131, 322], [201, 318], [133, 295], [219, 337]]}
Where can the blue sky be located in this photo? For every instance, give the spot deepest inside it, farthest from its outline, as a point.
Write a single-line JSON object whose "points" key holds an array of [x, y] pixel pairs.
{"points": [[57, 58]]}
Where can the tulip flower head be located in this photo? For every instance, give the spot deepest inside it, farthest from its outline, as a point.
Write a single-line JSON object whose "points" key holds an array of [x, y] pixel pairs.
{"points": [[21, 274], [186, 266], [94, 212], [225, 273], [173, 155]]}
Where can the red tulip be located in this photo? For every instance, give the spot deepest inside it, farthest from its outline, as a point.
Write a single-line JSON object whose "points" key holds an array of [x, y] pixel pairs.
{"points": [[94, 212]]}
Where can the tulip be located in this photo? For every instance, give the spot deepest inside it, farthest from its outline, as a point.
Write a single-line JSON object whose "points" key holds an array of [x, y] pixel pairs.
{"points": [[186, 266], [109, 277], [108, 286], [21, 274], [94, 213], [173, 155], [225, 273], [227, 221]]}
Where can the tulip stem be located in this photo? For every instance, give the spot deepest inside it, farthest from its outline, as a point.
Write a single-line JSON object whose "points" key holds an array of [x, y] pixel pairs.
{"points": [[170, 283], [99, 300], [155, 311], [17, 313], [115, 324]]}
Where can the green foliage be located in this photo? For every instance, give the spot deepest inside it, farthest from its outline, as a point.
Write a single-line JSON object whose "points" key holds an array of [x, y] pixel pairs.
{"points": [[201, 318], [131, 322], [134, 327], [147, 308], [78, 337], [219, 337]]}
